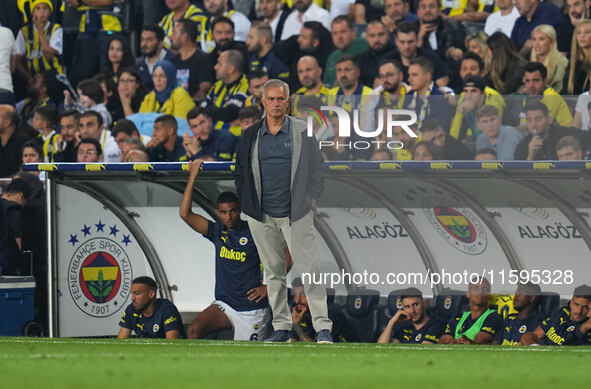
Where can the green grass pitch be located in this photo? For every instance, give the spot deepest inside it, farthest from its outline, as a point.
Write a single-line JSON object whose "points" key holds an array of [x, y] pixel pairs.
{"points": [[139, 363]]}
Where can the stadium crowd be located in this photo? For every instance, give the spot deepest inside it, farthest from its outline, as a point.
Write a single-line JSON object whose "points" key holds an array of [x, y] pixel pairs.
{"points": [[116, 80]]}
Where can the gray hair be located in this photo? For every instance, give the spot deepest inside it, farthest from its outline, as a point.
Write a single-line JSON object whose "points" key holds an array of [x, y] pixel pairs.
{"points": [[275, 83]]}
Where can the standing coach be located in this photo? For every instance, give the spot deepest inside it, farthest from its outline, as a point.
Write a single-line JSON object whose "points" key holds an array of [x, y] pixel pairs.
{"points": [[278, 178]]}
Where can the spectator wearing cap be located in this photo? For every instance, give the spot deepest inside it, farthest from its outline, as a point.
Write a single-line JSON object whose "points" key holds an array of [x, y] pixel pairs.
{"points": [[411, 323], [502, 139], [40, 42], [535, 78], [568, 326], [474, 95], [167, 97], [533, 13], [543, 136], [304, 11]]}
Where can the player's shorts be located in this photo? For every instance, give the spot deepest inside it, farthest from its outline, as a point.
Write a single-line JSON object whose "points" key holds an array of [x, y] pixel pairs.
{"points": [[248, 325]]}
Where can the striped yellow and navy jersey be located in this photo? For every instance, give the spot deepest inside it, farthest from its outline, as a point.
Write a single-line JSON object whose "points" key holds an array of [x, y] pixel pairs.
{"points": [[100, 19], [297, 99], [238, 267], [457, 7], [207, 42], [166, 318], [337, 97], [35, 60], [253, 101], [270, 64], [406, 332], [389, 100], [230, 99], [514, 328], [49, 143], [560, 330], [193, 13]]}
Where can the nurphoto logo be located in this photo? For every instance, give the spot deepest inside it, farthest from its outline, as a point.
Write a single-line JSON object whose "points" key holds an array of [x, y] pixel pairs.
{"points": [[363, 140]]}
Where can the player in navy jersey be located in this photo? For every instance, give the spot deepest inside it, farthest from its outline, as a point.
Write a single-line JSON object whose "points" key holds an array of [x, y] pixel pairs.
{"points": [[411, 324], [240, 297], [527, 318], [480, 323], [567, 326], [148, 316]]}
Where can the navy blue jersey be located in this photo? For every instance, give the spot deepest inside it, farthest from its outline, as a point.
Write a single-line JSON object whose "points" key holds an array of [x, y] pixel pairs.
{"points": [[406, 332], [165, 318], [562, 331], [514, 328], [492, 324], [237, 266], [342, 331], [270, 64]]}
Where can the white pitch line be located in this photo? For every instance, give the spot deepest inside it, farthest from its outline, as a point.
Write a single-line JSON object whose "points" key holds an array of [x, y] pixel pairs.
{"points": [[364, 346]]}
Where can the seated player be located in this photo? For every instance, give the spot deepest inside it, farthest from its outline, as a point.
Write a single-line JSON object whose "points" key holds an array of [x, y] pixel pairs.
{"points": [[240, 298], [567, 326], [479, 324], [303, 331], [412, 324], [148, 316], [525, 302]]}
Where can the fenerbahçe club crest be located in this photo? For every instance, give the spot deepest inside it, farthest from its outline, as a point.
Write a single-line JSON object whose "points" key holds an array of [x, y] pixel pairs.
{"points": [[99, 273], [460, 227]]}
